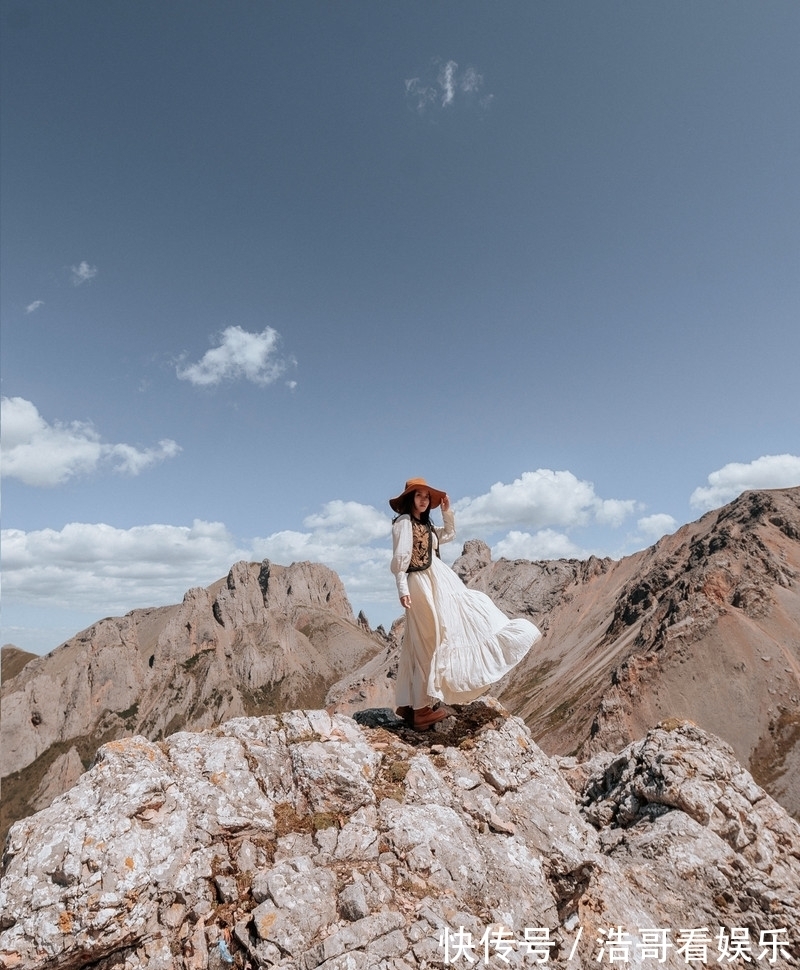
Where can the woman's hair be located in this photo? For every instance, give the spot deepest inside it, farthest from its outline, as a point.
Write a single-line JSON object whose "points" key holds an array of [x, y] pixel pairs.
{"points": [[407, 508]]}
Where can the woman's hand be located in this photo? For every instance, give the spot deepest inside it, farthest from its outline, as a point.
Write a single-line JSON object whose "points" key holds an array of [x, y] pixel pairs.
{"points": [[405, 601], [445, 503]]}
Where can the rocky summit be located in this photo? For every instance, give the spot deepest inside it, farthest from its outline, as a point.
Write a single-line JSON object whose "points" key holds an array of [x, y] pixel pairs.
{"points": [[310, 840]]}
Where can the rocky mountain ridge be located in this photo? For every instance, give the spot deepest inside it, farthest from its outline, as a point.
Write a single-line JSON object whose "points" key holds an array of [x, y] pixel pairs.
{"points": [[307, 840], [266, 638]]}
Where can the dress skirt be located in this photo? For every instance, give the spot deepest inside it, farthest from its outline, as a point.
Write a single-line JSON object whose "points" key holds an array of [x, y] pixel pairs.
{"points": [[457, 643]]}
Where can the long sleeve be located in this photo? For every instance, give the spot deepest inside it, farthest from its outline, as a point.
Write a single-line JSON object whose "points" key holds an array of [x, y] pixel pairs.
{"points": [[448, 532], [401, 555]]}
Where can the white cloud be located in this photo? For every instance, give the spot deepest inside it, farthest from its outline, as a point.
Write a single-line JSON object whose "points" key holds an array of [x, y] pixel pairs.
{"points": [[354, 539], [545, 544], [105, 570], [471, 81], [613, 511], [769, 471], [33, 307], [240, 354], [42, 454], [350, 522], [419, 93], [343, 536], [540, 499], [448, 86], [133, 461], [653, 527], [83, 273], [447, 82]]}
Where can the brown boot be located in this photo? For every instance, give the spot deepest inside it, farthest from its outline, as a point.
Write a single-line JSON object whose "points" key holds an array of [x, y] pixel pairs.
{"points": [[407, 714], [425, 717]]}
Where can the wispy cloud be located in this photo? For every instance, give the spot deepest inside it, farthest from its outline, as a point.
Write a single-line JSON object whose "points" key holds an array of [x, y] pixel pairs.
{"points": [[82, 273], [769, 471], [44, 455], [446, 85], [471, 81], [33, 307], [447, 82], [133, 461], [239, 355]]}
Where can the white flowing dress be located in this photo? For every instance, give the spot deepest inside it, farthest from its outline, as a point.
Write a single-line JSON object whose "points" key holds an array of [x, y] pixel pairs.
{"points": [[457, 643]]}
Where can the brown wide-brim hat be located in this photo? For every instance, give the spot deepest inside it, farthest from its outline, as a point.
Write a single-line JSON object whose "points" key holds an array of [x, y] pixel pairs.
{"points": [[417, 484]]}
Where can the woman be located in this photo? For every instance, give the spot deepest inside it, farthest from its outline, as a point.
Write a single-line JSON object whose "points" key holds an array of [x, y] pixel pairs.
{"points": [[457, 643]]}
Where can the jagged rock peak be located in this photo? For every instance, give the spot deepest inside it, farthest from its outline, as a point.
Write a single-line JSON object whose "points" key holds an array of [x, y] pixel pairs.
{"points": [[250, 588], [309, 840], [475, 555]]}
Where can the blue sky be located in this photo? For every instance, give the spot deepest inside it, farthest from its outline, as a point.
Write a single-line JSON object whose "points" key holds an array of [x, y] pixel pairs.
{"points": [[263, 261]]}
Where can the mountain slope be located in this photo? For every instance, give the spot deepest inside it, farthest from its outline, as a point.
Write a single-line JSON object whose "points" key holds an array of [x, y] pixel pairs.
{"points": [[12, 660], [704, 625]]}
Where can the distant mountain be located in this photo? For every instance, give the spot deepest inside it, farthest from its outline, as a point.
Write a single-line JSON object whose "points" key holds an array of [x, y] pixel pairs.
{"points": [[265, 639], [12, 660], [704, 625]]}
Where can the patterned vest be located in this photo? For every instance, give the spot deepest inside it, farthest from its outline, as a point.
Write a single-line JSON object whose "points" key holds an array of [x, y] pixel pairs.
{"points": [[421, 546]]}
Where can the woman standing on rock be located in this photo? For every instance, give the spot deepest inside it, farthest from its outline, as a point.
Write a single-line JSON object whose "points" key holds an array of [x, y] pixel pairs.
{"points": [[457, 643]]}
